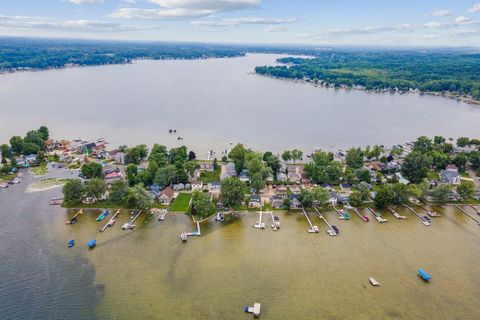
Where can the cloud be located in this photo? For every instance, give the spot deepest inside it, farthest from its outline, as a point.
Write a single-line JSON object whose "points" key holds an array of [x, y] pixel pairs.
{"points": [[46, 23], [277, 29], [184, 9], [85, 1], [440, 13], [432, 25], [241, 21], [475, 8], [463, 19]]}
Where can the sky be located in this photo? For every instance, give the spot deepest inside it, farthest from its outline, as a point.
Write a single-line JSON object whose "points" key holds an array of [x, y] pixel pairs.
{"points": [[316, 22]]}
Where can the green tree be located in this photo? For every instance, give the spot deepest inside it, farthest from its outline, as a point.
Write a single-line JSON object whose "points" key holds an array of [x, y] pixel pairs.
{"points": [[73, 191], [384, 196], [95, 188], [463, 142], [159, 154], [441, 192], [321, 195], [132, 172], [273, 162], [257, 170], [191, 166], [34, 137], [363, 175], [138, 197], [232, 192], [44, 133], [306, 198], [178, 155], [296, 155], [136, 154], [30, 148], [118, 191], [286, 156], [460, 161], [201, 204], [166, 175], [466, 190], [238, 155], [416, 166], [400, 193], [41, 156], [92, 170], [440, 160], [364, 190], [354, 158], [423, 145], [17, 144], [5, 150], [356, 199]]}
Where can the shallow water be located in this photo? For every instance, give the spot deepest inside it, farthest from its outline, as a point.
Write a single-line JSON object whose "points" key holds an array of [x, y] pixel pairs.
{"points": [[217, 101], [148, 273]]}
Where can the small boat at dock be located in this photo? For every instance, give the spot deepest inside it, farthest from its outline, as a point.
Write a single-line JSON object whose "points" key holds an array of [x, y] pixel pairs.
{"points": [[374, 282], [183, 236], [103, 215]]}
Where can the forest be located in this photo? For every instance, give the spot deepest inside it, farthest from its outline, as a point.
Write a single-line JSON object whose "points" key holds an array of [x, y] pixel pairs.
{"points": [[455, 71]]}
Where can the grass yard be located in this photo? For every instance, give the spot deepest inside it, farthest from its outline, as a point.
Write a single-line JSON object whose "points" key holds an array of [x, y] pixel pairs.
{"points": [[40, 170], [209, 177], [181, 202]]}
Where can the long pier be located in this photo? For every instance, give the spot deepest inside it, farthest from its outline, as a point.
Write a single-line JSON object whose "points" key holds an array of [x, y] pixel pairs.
{"points": [[75, 217], [313, 229], [468, 214], [341, 215], [431, 213], [130, 223], [424, 221], [111, 221], [259, 224], [274, 224], [330, 230], [475, 208], [364, 218], [378, 216], [197, 233], [396, 214]]}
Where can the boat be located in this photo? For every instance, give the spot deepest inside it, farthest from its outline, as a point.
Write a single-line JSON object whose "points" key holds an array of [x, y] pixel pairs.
{"points": [[71, 243], [111, 222], [425, 276], [103, 215], [374, 282], [220, 217], [3, 185], [276, 219], [255, 309], [92, 244], [335, 229], [183, 236]]}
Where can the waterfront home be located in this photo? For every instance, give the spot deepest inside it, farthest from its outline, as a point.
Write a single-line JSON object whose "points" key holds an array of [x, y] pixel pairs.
{"points": [[228, 170], [295, 189], [21, 162], [113, 176], [166, 196], [116, 155], [375, 166], [214, 186], [243, 176], [207, 166], [343, 198], [294, 202], [87, 147], [276, 201], [31, 158], [196, 185], [282, 177], [178, 187], [281, 189], [450, 175], [254, 201], [294, 173]]}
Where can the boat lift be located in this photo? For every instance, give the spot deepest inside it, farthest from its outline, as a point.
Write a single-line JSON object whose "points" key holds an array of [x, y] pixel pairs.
{"points": [[259, 224], [331, 230], [111, 221], [364, 218], [313, 229], [396, 214], [424, 219], [378, 216]]}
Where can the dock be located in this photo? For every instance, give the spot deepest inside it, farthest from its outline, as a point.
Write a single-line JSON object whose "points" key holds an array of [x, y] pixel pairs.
{"points": [[364, 218], [111, 221], [274, 222], [475, 208], [259, 224], [422, 218], [197, 233], [130, 224], [468, 214], [341, 215], [431, 213], [162, 214], [75, 217], [313, 229], [395, 214], [378, 216], [330, 230]]}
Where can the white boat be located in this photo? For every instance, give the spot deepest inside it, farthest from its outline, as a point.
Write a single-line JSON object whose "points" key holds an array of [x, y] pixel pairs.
{"points": [[374, 282], [183, 236]]}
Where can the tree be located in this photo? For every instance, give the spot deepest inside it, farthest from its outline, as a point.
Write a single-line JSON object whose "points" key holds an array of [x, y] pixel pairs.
{"points": [[138, 197], [463, 142], [286, 156], [296, 155], [257, 170], [232, 192], [466, 190], [321, 195], [132, 172], [30, 148], [440, 160], [416, 166], [237, 155], [442, 192], [34, 137], [423, 145], [323, 169], [5, 150], [273, 162], [17, 144], [215, 164], [400, 193], [420, 190], [40, 156], [95, 188], [136, 154], [375, 152], [460, 161], [363, 175], [364, 190], [356, 199], [178, 155], [306, 198], [384, 196], [92, 170], [159, 154], [165, 175], [44, 133], [73, 191], [192, 156], [474, 158], [118, 191], [201, 204], [191, 166], [354, 158]]}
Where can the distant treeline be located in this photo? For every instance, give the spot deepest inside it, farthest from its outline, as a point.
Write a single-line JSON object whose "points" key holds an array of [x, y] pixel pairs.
{"points": [[435, 71]]}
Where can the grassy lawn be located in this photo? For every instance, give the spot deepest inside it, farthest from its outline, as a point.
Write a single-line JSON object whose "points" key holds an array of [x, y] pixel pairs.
{"points": [[6, 177], [74, 166], [209, 177], [432, 175], [181, 202], [40, 170]]}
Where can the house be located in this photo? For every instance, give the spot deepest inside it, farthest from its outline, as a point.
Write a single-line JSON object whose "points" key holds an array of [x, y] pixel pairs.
{"points": [[343, 198], [207, 166], [214, 186], [120, 157], [87, 147], [196, 185], [294, 173], [294, 202], [31, 158], [228, 171], [281, 190], [282, 177], [166, 196], [254, 201], [243, 176], [21, 162], [450, 175], [295, 189], [401, 179], [333, 197], [178, 187], [113, 176], [276, 201]]}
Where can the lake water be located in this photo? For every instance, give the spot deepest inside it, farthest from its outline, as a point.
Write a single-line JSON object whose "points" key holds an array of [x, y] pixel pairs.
{"points": [[148, 273], [214, 102]]}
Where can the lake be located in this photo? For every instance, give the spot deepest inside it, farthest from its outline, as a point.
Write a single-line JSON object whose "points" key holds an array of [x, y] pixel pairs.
{"points": [[148, 273], [215, 102]]}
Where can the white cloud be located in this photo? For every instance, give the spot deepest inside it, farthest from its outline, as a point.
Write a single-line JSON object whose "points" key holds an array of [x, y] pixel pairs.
{"points": [[432, 24], [277, 29], [184, 9], [85, 1], [47, 23], [241, 21], [440, 13], [463, 19], [475, 8]]}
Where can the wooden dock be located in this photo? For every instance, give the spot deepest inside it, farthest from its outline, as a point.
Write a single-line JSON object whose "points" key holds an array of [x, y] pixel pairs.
{"points": [[75, 217], [197, 233], [274, 223], [330, 229], [259, 224], [313, 229], [424, 221], [364, 218], [475, 208], [468, 214], [341, 216], [378, 216], [130, 223], [431, 213], [396, 214], [110, 223]]}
